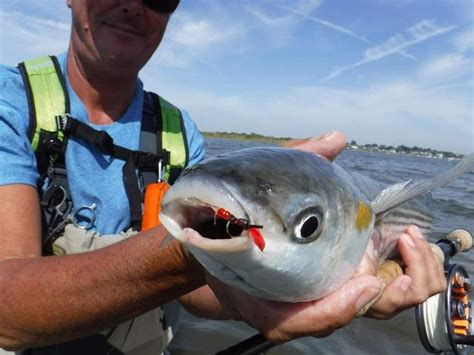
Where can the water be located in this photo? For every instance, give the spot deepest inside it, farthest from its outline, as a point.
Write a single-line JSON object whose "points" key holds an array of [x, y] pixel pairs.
{"points": [[454, 208]]}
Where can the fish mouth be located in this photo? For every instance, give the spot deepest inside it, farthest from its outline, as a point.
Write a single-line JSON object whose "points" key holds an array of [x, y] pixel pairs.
{"points": [[198, 223]]}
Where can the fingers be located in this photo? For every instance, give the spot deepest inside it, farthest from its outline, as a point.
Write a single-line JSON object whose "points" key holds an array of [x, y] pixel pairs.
{"points": [[424, 277], [422, 265], [280, 322], [329, 145], [339, 308], [392, 299]]}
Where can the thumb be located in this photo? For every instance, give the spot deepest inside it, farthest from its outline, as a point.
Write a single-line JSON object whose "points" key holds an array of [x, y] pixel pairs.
{"points": [[351, 299], [328, 145]]}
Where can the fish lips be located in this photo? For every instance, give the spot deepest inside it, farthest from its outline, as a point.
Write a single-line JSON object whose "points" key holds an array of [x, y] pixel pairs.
{"points": [[192, 217]]}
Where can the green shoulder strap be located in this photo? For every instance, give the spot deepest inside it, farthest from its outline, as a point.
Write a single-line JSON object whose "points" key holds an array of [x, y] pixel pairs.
{"points": [[47, 96], [173, 139]]}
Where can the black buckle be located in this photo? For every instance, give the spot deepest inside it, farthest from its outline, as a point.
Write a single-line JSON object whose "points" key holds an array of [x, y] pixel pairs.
{"points": [[149, 161], [105, 142], [53, 145], [62, 122]]}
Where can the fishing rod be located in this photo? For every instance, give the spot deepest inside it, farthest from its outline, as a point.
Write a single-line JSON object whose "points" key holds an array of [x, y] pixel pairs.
{"points": [[254, 345], [444, 321]]}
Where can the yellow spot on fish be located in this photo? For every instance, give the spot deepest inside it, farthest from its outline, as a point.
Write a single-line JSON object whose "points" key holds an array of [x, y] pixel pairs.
{"points": [[363, 216]]}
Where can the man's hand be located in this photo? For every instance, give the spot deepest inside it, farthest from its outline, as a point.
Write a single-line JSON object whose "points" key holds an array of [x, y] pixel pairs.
{"points": [[329, 145], [281, 322], [423, 278]]}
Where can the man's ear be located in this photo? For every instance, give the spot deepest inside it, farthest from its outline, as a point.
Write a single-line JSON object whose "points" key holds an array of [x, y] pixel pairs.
{"points": [[69, 3]]}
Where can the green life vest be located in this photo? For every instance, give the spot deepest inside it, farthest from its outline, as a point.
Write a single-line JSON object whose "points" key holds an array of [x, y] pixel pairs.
{"points": [[48, 98], [162, 137]]}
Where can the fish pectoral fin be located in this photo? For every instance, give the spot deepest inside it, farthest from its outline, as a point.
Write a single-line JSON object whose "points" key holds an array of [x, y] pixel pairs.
{"points": [[397, 194]]}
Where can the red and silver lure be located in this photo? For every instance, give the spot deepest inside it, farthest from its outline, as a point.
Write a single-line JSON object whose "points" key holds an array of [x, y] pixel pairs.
{"points": [[243, 224]]}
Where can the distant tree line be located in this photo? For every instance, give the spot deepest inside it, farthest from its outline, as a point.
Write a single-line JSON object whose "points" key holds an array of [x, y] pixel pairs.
{"points": [[245, 136], [403, 149]]}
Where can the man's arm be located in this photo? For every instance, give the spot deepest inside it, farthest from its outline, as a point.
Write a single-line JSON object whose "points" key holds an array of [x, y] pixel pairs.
{"points": [[51, 299], [203, 303]]}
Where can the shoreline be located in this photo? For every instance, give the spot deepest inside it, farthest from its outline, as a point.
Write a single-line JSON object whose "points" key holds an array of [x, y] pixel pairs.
{"points": [[399, 150]]}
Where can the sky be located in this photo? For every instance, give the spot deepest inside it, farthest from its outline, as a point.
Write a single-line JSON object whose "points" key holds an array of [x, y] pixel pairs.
{"points": [[382, 71]]}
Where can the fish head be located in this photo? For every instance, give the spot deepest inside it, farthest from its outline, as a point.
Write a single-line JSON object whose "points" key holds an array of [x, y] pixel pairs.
{"points": [[314, 223]]}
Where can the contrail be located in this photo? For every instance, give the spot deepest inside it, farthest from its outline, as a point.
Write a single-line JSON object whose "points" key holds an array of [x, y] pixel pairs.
{"points": [[393, 45], [336, 28], [325, 23]]}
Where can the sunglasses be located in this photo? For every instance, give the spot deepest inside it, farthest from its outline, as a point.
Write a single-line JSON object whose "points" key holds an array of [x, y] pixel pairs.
{"points": [[162, 6]]}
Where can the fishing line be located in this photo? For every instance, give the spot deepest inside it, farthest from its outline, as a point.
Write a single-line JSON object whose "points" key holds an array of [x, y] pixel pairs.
{"points": [[434, 317]]}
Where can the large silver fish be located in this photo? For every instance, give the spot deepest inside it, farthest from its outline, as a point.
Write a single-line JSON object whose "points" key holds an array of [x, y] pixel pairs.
{"points": [[289, 225]]}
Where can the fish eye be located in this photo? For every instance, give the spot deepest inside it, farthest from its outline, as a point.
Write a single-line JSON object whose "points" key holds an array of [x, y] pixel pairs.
{"points": [[308, 225]]}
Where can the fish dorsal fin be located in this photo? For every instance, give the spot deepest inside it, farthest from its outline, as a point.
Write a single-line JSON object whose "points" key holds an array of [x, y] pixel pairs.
{"points": [[397, 194]]}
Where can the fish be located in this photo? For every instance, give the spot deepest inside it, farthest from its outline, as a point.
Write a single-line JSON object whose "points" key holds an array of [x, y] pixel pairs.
{"points": [[289, 225]]}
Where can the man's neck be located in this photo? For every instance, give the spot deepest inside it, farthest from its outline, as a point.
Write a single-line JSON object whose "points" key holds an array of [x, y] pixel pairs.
{"points": [[105, 94]]}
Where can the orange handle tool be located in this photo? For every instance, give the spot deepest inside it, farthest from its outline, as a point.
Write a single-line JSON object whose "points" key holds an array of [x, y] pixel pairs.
{"points": [[153, 195]]}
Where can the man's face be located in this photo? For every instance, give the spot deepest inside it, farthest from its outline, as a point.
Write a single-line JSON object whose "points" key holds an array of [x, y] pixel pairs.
{"points": [[122, 33]]}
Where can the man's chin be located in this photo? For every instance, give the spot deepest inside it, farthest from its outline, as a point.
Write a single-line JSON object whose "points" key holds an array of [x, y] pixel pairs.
{"points": [[122, 59]]}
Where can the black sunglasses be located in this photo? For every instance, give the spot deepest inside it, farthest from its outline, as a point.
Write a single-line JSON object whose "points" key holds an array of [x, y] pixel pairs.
{"points": [[162, 6]]}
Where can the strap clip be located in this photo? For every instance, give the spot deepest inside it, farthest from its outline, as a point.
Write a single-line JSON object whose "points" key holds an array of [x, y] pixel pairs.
{"points": [[62, 122]]}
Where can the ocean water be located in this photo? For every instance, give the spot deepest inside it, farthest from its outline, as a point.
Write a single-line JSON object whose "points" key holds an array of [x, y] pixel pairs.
{"points": [[454, 208]]}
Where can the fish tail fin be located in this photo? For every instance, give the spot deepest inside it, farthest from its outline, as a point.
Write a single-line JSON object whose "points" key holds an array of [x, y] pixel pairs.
{"points": [[397, 194]]}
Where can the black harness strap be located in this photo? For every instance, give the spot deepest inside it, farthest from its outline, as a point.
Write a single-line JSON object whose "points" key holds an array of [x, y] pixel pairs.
{"points": [[144, 161], [151, 131], [105, 144], [133, 193]]}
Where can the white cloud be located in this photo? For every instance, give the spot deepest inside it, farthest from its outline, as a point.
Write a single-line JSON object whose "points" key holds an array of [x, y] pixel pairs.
{"points": [[464, 41], [268, 20], [305, 6], [304, 13], [300, 7], [408, 112], [202, 33], [41, 36], [418, 33], [447, 66], [191, 41]]}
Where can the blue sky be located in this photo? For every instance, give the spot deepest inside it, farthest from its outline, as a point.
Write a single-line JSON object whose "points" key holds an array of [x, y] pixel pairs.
{"points": [[382, 71]]}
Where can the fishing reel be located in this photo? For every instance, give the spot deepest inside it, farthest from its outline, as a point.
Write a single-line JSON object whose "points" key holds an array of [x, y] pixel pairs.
{"points": [[444, 321]]}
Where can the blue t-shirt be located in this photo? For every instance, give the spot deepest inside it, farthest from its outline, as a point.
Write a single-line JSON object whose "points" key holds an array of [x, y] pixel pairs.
{"points": [[92, 177]]}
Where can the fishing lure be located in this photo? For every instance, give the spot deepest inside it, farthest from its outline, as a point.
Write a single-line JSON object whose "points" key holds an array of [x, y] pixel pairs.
{"points": [[241, 224]]}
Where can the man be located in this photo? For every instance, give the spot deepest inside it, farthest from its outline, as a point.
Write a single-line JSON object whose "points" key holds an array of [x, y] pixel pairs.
{"points": [[67, 300]]}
